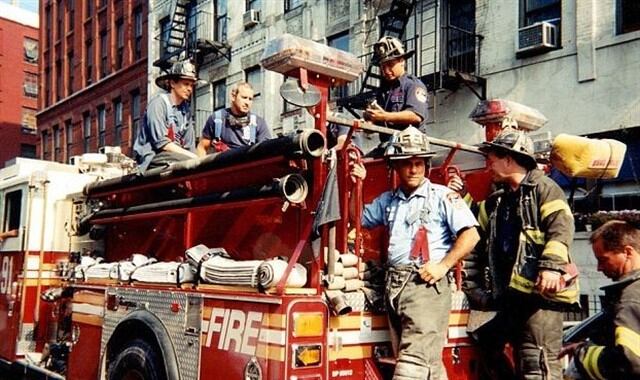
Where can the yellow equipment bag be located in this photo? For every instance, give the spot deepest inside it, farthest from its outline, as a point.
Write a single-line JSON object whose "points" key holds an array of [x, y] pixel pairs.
{"points": [[578, 156]]}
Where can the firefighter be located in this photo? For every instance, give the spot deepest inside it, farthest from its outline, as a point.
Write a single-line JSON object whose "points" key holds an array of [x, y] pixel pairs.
{"points": [[401, 99], [167, 133], [616, 355], [430, 230], [236, 126], [526, 227]]}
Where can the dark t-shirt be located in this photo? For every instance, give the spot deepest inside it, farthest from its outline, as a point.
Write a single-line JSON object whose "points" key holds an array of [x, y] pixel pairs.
{"points": [[235, 136], [163, 123], [406, 93], [508, 227]]}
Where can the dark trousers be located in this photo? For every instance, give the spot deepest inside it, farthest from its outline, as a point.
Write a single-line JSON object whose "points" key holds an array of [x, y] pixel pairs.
{"points": [[535, 334]]}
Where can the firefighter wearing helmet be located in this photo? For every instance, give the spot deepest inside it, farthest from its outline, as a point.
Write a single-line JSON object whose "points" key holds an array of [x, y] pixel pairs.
{"points": [[401, 99], [522, 264], [167, 134], [430, 229]]}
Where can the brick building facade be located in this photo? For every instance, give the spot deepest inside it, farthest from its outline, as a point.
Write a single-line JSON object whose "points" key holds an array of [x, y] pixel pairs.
{"points": [[93, 75], [18, 82]]}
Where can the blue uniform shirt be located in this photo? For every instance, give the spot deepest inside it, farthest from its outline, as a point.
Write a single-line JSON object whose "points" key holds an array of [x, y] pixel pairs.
{"points": [[235, 136], [443, 211], [406, 93], [163, 123]]}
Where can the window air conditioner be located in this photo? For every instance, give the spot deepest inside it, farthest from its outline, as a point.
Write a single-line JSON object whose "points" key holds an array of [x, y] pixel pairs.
{"points": [[250, 18], [536, 39]]}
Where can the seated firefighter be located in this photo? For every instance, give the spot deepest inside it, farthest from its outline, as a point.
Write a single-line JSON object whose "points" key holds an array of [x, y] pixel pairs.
{"points": [[234, 127], [401, 100], [167, 133]]}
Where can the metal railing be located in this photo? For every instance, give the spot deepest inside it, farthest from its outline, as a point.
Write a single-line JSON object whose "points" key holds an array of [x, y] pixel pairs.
{"points": [[461, 51]]}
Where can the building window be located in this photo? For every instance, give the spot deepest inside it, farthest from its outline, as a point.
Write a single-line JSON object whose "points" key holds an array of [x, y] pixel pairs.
{"points": [[59, 79], [71, 13], [119, 43], [339, 41], [86, 132], [219, 95], [49, 17], [135, 113], [28, 123], [30, 50], [28, 151], [165, 32], [89, 8], [68, 137], [290, 5], [60, 20], [254, 77], [30, 86], [117, 122], [47, 86], [57, 144], [221, 20], [137, 50], [45, 145], [12, 206], [104, 54], [627, 16], [534, 11], [102, 126], [253, 4], [71, 68], [88, 67]]}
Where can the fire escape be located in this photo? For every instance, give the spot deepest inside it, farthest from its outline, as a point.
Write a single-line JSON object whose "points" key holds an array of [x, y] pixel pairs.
{"points": [[447, 48], [190, 33]]}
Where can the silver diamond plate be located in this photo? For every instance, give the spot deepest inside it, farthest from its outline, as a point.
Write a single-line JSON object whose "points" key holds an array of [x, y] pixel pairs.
{"points": [[183, 327], [355, 299], [26, 342]]}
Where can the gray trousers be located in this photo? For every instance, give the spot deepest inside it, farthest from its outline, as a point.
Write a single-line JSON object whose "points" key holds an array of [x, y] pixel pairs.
{"points": [[164, 158], [419, 315]]}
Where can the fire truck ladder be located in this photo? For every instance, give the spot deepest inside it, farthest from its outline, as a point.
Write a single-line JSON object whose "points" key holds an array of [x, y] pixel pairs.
{"points": [[393, 24]]}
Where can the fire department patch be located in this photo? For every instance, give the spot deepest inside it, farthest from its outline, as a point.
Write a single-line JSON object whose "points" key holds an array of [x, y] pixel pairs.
{"points": [[421, 94]]}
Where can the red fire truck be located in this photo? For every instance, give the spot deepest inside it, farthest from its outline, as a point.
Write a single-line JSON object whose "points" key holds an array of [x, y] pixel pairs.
{"points": [[160, 321]]}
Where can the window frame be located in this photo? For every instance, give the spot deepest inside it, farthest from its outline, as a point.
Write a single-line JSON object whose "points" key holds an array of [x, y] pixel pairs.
{"points": [[30, 85], [45, 144], [26, 41], [104, 53], [119, 43], [340, 91], [138, 32], [10, 216], [57, 143], [219, 93], [86, 131], [117, 121], [135, 113], [525, 13], [101, 125], [68, 137], [257, 89], [288, 7], [620, 21], [221, 20]]}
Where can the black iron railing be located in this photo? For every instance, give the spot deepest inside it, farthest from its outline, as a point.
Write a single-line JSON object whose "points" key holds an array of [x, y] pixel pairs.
{"points": [[461, 51]]}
